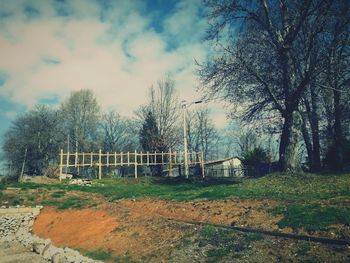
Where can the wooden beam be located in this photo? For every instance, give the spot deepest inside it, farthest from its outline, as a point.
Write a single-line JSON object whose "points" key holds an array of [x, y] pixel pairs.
{"points": [[202, 163], [61, 164], [135, 164], [107, 159], [100, 164]]}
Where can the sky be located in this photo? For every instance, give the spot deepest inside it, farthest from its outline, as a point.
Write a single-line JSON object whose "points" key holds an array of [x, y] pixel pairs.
{"points": [[117, 48]]}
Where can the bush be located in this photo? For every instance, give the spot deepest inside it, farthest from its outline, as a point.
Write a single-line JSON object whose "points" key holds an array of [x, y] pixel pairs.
{"points": [[255, 156], [338, 157]]}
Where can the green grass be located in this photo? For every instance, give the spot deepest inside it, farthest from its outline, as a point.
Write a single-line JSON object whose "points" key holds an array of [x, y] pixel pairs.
{"points": [[107, 256], [308, 200], [99, 255], [58, 194], [71, 202], [287, 187], [311, 217], [224, 244]]}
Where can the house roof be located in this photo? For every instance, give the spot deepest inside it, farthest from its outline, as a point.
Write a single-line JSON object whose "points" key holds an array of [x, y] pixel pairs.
{"points": [[222, 160]]}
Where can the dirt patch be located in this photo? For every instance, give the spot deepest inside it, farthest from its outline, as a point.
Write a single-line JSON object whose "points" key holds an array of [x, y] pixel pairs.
{"points": [[84, 228], [140, 230], [252, 213], [119, 232]]}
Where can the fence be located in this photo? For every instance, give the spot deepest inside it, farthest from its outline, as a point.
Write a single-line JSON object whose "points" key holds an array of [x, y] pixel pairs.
{"points": [[120, 159]]}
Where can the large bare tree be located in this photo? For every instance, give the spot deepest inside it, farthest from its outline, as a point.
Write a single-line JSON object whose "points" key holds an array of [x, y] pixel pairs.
{"points": [[258, 65], [80, 115], [164, 105]]}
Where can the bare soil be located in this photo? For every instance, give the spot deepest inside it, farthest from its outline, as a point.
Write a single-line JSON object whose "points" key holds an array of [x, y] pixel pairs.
{"points": [[143, 231]]}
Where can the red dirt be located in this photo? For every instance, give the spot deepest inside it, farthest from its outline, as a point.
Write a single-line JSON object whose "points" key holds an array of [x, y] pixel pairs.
{"points": [[251, 213], [141, 228], [85, 228], [119, 231]]}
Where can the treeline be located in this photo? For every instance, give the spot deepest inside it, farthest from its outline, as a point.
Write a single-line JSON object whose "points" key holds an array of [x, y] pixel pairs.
{"points": [[284, 66], [34, 140]]}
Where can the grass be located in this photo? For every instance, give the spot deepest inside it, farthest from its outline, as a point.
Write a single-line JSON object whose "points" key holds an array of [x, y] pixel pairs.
{"points": [[311, 217], [287, 187], [58, 194], [224, 244], [71, 202], [99, 255], [107, 256], [311, 201]]}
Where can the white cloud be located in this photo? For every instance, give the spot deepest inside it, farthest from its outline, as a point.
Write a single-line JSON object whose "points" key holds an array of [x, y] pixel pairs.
{"points": [[118, 57]]}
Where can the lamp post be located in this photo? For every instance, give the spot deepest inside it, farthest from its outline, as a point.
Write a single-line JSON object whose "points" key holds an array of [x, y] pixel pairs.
{"points": [[184, 107]]}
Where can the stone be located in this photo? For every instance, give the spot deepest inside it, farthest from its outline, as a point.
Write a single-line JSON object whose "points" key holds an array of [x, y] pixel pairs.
{"points": [[58, 258]]}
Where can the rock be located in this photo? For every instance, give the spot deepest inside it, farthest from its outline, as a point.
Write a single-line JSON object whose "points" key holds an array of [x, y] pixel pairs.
{"points": [[51, 251], [58, 258], [38, 248]]}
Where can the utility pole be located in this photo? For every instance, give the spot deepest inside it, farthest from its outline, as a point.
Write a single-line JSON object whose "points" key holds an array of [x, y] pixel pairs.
{"points": [[184, 107], [185, 139], [23, 164]]}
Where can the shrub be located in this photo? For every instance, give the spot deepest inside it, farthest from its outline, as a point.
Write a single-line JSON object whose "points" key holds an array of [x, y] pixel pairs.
{"points": [[255, 156]]}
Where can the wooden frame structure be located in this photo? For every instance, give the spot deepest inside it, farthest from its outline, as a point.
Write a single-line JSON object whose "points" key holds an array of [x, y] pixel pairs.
{"points": [[119, 159]]}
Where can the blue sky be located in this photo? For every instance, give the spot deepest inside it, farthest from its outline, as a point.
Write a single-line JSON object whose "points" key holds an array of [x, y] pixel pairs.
{"points": [[116, 48]]}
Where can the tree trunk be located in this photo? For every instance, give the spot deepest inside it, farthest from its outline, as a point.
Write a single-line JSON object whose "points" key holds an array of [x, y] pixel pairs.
{"points": [[288, 158], [307, 141], [338, 133], [314, 121]]}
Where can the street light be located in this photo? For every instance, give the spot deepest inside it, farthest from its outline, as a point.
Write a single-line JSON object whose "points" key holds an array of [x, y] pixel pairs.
{"points": [[184, 107]]}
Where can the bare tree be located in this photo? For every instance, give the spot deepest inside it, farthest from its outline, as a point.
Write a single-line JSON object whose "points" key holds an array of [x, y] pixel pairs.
{"points": [[114, 131], [201, 132], [80, 115], [255, 67], [164, 105]]}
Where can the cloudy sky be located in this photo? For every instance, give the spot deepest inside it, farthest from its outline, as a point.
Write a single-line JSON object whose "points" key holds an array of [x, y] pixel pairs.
{"points": [[117, 48]]}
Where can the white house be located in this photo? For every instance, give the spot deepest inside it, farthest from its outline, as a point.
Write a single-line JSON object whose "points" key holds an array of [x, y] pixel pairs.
{"points": [[228, 167]]}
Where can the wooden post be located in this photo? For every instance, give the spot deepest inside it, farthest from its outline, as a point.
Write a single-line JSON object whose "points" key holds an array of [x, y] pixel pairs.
{"points": [[121, 158], [202, 163], [76, 159], [135, 164], [155, 157], [61, 164], [115, 159], [91, 159], [162, 158], [141, 158], [128, 159], [100, 164], [169, 160], [107, 159], [83, 159], [67, 164], [175, 158], [147, 158]]}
